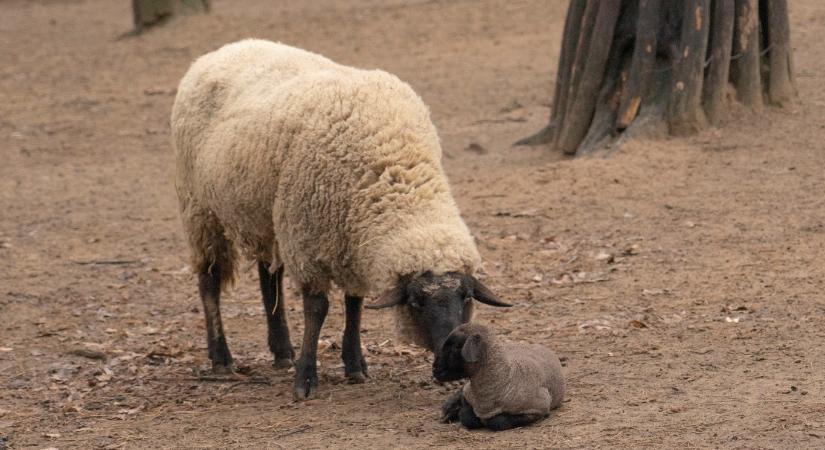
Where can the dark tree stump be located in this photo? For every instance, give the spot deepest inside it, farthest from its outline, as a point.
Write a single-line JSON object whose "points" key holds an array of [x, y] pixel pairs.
{"points": [[630, 65], [150, 13]]}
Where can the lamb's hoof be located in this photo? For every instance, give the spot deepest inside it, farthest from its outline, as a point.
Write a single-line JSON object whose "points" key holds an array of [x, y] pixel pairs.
{"points": [[282, 363], [356, 378]]}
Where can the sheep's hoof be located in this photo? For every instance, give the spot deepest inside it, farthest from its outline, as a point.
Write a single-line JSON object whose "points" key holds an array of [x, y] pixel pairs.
{"points": [[223, 369], [306, 382], [304, 391], [282, 363], [356, 377]]}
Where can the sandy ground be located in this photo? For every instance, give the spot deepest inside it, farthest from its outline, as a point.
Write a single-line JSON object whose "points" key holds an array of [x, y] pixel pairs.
{"points": [[682, 280]]}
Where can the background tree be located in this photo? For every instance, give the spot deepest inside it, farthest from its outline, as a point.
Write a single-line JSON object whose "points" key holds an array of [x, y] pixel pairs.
{"points": [[148, 13], [627, 66]]}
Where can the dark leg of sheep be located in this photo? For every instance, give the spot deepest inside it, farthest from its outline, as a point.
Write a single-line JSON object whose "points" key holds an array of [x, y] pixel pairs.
{"points": [[272, 291], [355, 367], [306, 372], [468, 417], [451, 407], [503, 422], [209, 285]]}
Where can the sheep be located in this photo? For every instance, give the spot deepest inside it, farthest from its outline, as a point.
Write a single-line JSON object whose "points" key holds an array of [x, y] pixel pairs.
{"points": [[330, 173], [511, 385]]}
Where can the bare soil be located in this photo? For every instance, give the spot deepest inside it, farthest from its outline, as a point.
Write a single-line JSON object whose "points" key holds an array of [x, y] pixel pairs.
{"points": [[682, 279]]}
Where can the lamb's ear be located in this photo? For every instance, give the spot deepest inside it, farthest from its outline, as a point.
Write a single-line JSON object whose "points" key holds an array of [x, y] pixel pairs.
{"points": [[391, 297], [471, 351], [483, 294]]}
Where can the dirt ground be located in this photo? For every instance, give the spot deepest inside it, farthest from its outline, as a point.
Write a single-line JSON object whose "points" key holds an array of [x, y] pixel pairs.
{"points": [[681, 279]]}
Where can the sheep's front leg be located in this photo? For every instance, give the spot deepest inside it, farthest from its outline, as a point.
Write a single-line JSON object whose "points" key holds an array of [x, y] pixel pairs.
{"points": [[272, 292], [316, 306], [506, 421], [452, 407], [355, 366], [468, 417]]}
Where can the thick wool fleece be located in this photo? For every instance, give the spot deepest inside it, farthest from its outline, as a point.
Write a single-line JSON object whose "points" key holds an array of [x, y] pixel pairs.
{"points": [[524, 379], [331, 170]]}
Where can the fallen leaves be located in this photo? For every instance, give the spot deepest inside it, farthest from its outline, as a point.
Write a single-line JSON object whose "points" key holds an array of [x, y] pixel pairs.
{"points": [[637, 324], [570, 278], [652, 292], [525, 213], [88, 353]]}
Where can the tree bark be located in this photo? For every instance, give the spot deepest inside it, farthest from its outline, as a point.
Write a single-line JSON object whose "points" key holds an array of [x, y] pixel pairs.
{"points": [[685, 114], [631, 65], [721, 41], [747, 76], [150, 13], [588, 72], [781, 83], [644, 57]]}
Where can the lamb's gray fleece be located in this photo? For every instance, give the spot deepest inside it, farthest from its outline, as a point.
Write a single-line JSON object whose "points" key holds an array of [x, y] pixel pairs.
{"points": [[513, 378], [333, 171]]}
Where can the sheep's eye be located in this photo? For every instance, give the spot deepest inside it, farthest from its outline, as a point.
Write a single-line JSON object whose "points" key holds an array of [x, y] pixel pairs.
{"points": [[414, 303]]}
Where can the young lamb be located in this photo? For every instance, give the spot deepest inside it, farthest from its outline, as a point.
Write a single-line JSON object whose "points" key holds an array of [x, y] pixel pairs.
{"points": [[511, 385], [330, 173]]}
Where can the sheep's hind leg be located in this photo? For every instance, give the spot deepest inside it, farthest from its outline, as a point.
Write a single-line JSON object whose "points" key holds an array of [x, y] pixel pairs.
{"points": [[355, 366], [316, 306], [505, 421], [272, 292], [209, 285]]}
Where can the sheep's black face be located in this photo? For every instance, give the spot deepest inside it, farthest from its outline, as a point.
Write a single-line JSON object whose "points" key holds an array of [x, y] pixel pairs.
{"points": [[436, 304], [449, 364]]}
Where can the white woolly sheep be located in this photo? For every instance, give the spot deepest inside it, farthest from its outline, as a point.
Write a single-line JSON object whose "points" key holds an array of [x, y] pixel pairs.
{"points": [[511, 385], [328, 172]]}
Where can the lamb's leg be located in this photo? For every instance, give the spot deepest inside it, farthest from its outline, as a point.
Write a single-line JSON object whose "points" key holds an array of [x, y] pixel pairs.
{"points": [[306, 374], [355, 366], [452, 407], [506, 421], [209, 285], [468, 417], [272, 291]]}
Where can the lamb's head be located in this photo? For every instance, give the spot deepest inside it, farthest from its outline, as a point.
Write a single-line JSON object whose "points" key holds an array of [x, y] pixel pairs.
{"points": [[464, 349], [431, 305]]}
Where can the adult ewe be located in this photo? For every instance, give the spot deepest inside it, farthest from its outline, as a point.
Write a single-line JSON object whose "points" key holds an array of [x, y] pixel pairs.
{"points": [[328, 172]]}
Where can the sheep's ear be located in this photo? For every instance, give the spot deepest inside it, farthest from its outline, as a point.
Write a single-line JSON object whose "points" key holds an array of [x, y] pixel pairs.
{"points": [[483, 294], [471, 351], [391, 297]]}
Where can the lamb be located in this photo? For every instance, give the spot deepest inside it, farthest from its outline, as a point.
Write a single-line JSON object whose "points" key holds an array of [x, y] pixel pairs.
{"points": [[331, 174], [511, 385]]}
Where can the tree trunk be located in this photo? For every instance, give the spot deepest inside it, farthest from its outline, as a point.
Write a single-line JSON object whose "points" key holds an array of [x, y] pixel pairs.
{"points": [[149, 13], [627, 65]]}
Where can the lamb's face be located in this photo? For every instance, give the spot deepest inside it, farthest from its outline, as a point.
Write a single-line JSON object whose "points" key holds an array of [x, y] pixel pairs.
{"points": [[434, 305], [449, 363]]}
